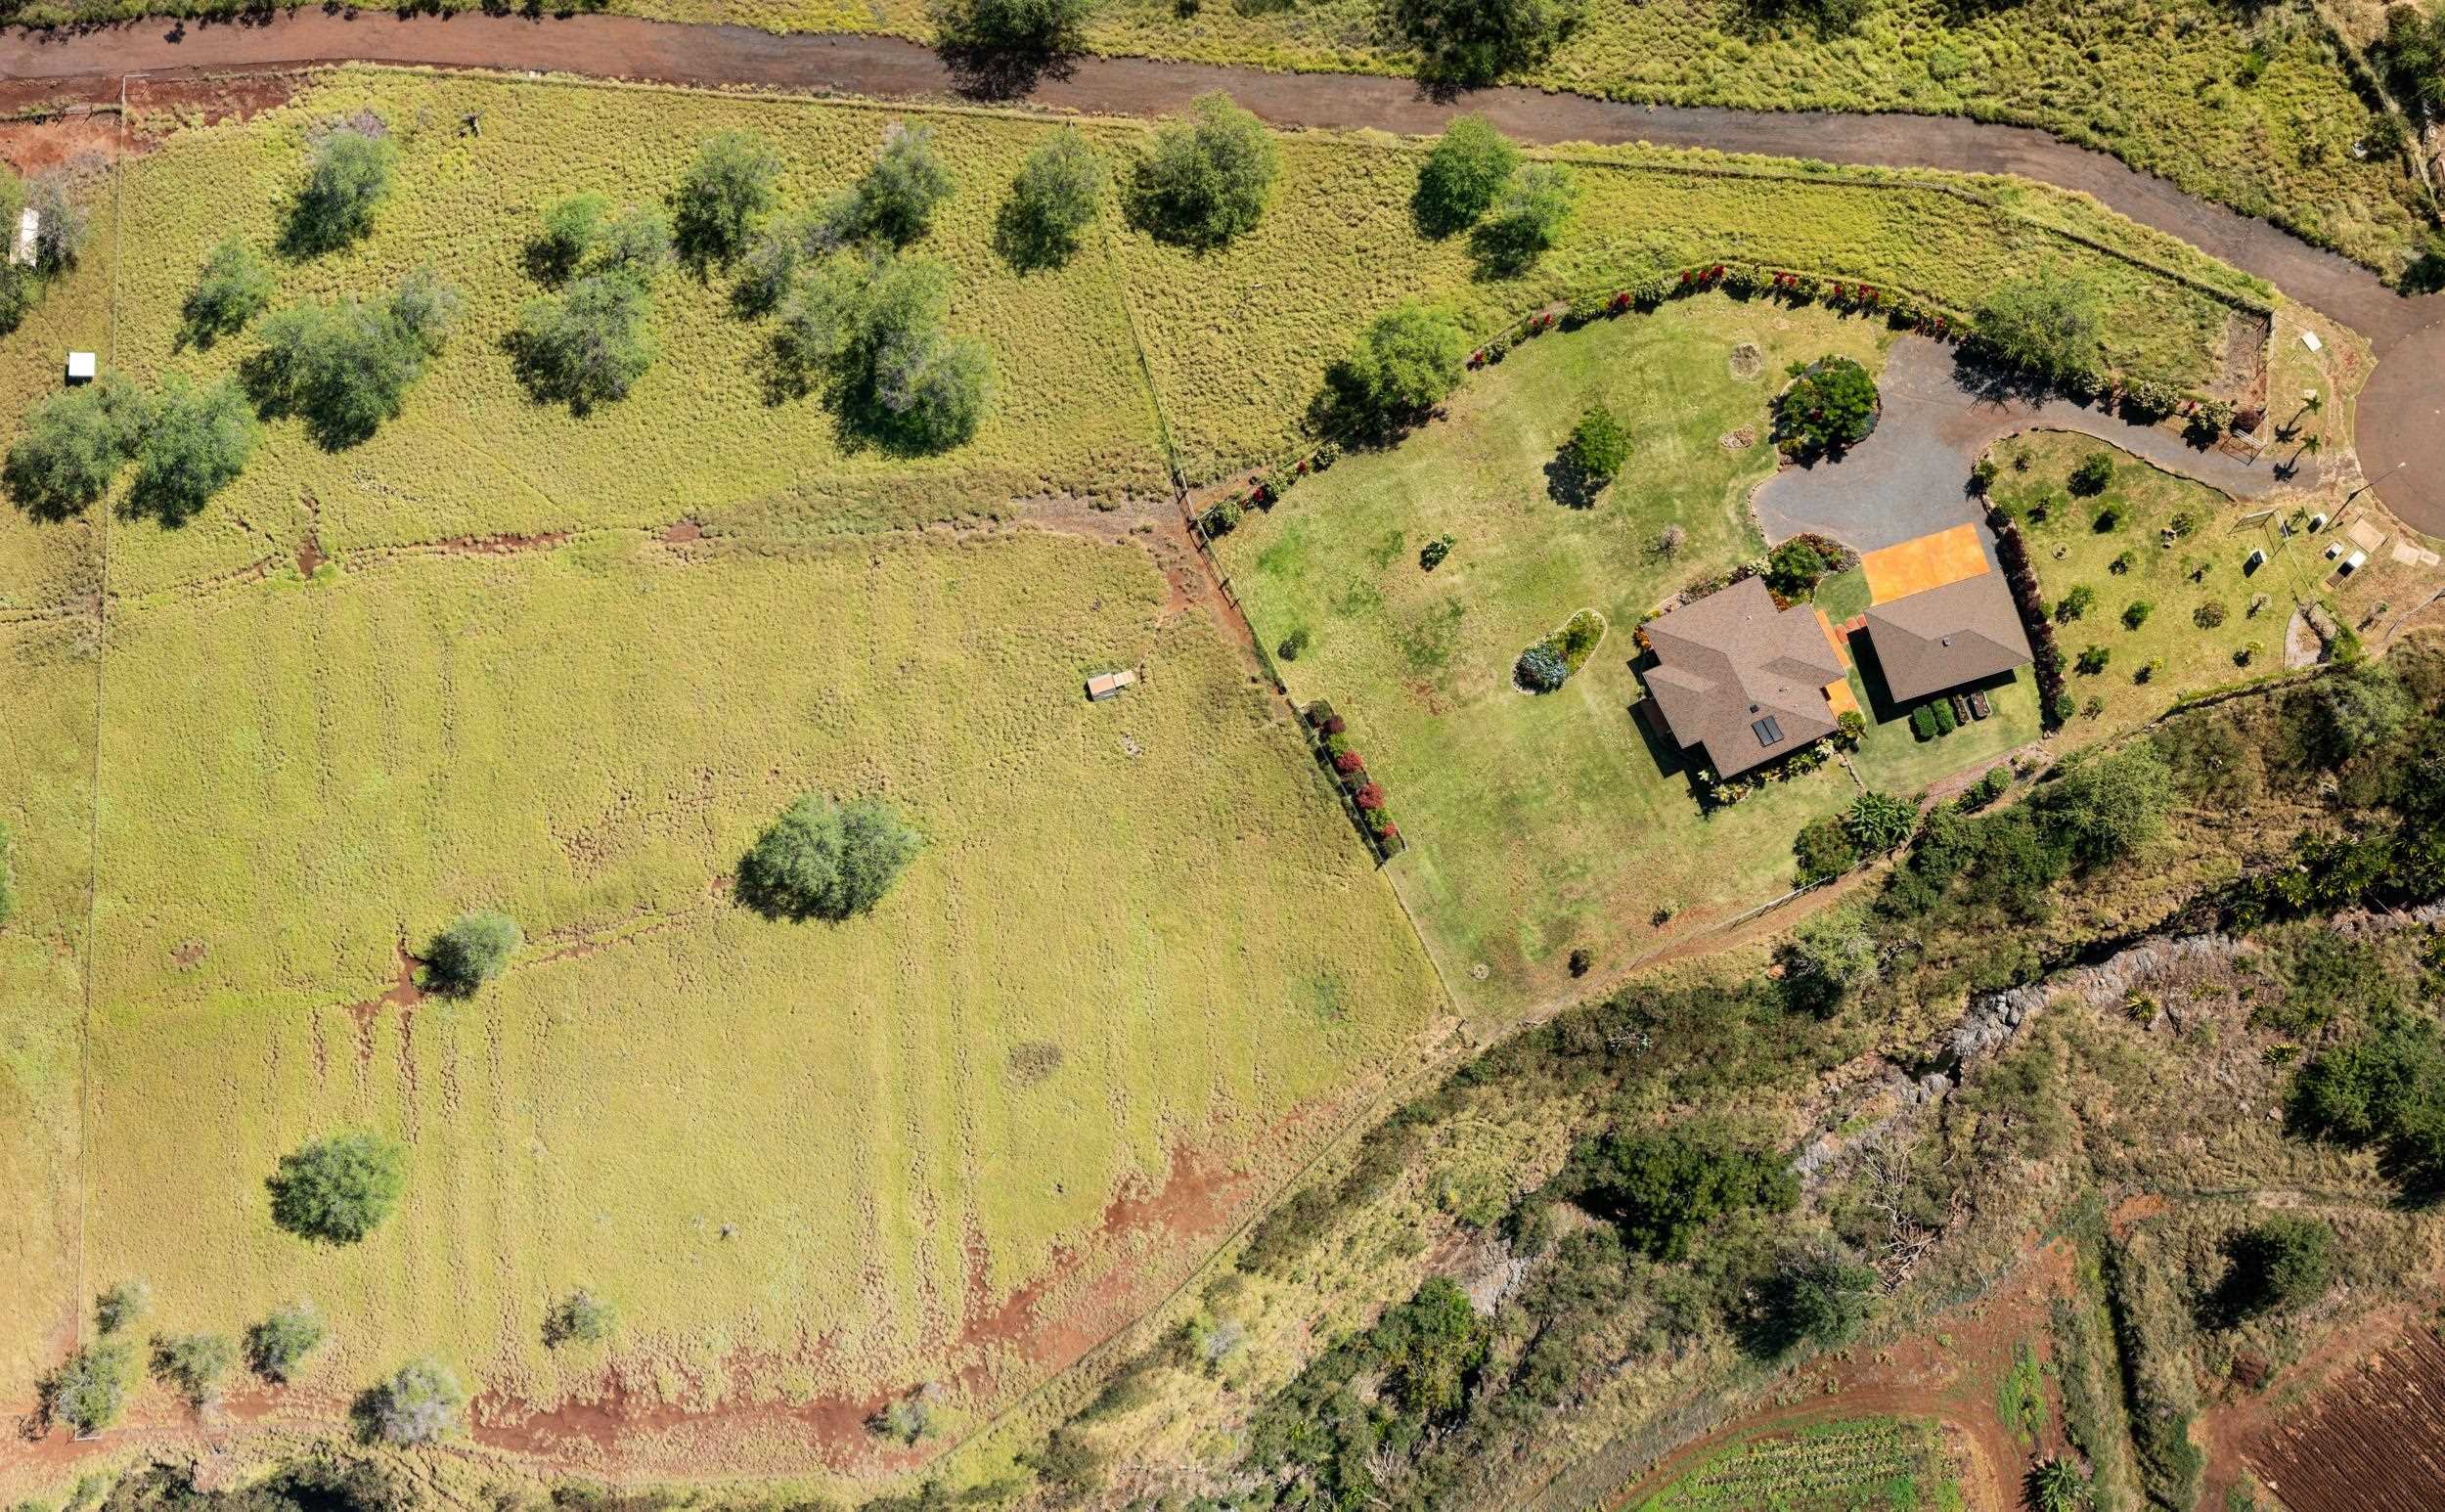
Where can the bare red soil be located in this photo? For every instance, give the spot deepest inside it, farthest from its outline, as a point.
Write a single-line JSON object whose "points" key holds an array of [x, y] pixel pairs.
{"points": [[2357, 1426]]}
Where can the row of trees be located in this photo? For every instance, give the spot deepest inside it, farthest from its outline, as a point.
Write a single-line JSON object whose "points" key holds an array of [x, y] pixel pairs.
{"points": [[188, 443]]}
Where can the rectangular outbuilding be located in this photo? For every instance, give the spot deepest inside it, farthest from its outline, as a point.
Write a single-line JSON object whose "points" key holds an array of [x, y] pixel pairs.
{"points": [[28, 231], [1109, 684], [80, 367]]}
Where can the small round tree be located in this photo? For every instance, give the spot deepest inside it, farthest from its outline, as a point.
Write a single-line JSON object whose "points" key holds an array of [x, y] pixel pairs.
{"points": [[722, 195], [476, 949], [636, 244], [932, 393], [192, 1364], [1207, 177], [338, 1189], [233, 286], [1540, 668], [347, 178], [72, 446], [824, 861], [2049, 325], [586, 345], [1471, 42], [580, 1318], [1824, 850], [1407, 361], [1528, 219], [1041, 28], [1598, 445], [89, 1390], [2281, 1261], [897, 198], [420, 1404], [1830, 405], [120, 1308], [1462, 175], [277, 1346], [1055, 197], [198, 443], [571, 226]]}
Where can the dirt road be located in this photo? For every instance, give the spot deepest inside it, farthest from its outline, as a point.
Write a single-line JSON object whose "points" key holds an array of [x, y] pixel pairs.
{"points": [[2401, 442]]}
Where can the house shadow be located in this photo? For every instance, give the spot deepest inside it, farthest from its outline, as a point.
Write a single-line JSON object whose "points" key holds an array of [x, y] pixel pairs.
{"points": [[1648, 721]]}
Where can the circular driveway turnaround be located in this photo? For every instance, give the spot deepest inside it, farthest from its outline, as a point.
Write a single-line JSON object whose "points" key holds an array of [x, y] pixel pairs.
{"points": [[2401, 442]]}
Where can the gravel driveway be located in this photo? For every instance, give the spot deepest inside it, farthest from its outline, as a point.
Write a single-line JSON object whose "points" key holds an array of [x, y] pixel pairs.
{"points": [[1911, 477]]}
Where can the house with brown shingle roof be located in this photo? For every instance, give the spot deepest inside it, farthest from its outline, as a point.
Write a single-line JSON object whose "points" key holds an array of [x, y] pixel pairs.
{"points": [[1740, 680], [1938, 639]]}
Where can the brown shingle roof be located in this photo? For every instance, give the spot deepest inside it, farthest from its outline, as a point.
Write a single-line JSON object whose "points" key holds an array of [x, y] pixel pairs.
{"points": [[1963, 632], [1732, 662]]}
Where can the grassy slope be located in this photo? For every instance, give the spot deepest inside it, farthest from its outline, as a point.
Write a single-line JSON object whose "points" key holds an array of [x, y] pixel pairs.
{"points": [[588, 737], [1538, 825], [1236, 341], [2158, 83]]}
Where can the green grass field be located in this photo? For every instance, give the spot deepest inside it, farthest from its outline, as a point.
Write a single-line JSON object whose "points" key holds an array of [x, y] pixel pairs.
{"points": [[1539, 825], [1236, 341], [1871, 1465], [298, 775]]}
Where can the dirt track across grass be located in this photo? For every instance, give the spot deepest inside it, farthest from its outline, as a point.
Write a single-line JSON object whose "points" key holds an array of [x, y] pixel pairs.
{"points": [[2402, 446]]}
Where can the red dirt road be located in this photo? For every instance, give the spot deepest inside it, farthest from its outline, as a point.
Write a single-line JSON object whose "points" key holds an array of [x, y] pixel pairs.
{"points": [[2401, 444]]}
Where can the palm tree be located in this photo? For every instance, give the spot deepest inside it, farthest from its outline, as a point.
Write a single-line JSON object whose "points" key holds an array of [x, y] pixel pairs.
{"points": [[2056, 1486]]}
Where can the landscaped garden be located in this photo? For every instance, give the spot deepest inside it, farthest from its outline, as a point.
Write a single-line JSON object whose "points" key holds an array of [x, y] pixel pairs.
{"points": [[1536, 822], [2143, 576]]}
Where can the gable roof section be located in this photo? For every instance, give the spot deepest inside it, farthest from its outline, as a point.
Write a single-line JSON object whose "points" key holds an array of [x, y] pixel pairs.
{"points": [[1964, 631], [1731, 662]]}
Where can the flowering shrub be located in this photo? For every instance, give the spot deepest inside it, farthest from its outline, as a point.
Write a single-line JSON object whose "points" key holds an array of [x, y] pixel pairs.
{"points": [[1336, 724], [1370, 796], [1347, 762]]}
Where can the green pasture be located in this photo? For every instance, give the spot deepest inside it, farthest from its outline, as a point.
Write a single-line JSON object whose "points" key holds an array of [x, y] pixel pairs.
{"points": [[1540, 824], [750, 1135], [1236, 341]]}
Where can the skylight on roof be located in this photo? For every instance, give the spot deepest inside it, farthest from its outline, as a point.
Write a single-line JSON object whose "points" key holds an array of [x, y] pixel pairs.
{"points": [[1769, 732]]}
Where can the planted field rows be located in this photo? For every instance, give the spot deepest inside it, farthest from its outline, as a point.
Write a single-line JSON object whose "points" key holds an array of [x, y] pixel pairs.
{"points": [[1836, 1467], [2374, 1439]]}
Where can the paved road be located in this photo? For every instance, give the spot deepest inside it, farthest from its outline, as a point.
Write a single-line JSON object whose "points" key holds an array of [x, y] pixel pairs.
{"points": [[2401, 444], [1911, 477]]}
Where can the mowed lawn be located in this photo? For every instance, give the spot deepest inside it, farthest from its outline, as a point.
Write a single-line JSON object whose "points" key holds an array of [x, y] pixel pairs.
{"points": [[1134, 356], [1540, 824], [1137, 933]]}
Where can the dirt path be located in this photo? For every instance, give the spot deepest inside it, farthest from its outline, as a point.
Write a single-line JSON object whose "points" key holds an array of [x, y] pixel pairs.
{"points": [[2402, 445]]}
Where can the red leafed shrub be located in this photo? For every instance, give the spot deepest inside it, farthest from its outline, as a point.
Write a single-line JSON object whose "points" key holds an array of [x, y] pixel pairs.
{"points": [[1370, 796], [1336, 724], [1389, 831], [1347, 762]]}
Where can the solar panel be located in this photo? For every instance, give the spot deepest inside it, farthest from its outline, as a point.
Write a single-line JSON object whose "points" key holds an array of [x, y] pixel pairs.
{"points": [[1769, 732]]}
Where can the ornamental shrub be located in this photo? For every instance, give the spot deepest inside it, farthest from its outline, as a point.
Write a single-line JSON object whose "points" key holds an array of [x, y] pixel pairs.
{"points": [[1432, 555], [2136, 613], [1879, 822], [1407, 361], [1794, 568], [341, 1189], [2074, 604], [1540, 668], [2093, 660], [1923, 723], [1830, 405], [1824, 850], [1947, 720], [2094, 475], [1370, 796], [2050, 325], [824, 861], [1349, 762]]}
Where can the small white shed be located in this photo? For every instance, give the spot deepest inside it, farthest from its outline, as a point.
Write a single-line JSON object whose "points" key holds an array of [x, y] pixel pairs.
{"points": [[1109, 684], [2354, 562], [80, 367]]}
